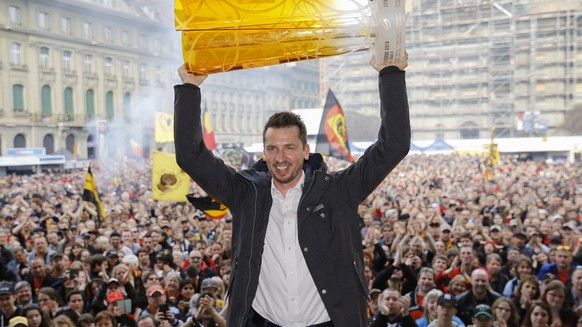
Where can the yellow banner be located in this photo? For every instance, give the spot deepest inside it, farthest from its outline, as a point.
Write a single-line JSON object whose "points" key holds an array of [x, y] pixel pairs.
{"points": [[169, 182], [164, 131]]}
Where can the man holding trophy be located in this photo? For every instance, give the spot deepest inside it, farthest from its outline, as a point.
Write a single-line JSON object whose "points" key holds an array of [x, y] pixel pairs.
{"points": [[296, 243]]}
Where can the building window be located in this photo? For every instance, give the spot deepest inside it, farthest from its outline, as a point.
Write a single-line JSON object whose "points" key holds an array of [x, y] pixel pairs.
{"points": [[127, 105], [18, 97], [43, 20], [49, 143], [88, 31], [157, 44], [67, 60], [107, 34], [14, 13], [469, 130], [109, 105], [88, 63], [143, 42], [46, 101], [69, 103], [44, 57], [19, 141], [108, 66], [90, 103], [15, 53], [71, 144], [158, 73], [66, 25], [125, 37], [126, 68], [143, 69]]}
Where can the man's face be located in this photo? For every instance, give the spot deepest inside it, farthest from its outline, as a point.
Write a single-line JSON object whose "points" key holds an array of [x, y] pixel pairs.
{"points": [[115, 242], [466, 255], [466, 242], [24, 295], [513, 255], [284, 154], [196, 259], [577, 280], [40, 245], [147, 243], [392, 302], [148, 322], [38, 269], [563, 259], [6, 302], [58, 263], [426, 282], [144, 259], [446, 311], [493, 266], [479, 282], [156, 300], [482, 321]]}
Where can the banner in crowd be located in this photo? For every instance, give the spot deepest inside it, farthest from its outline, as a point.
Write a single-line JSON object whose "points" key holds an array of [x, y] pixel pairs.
{"points": [[169, 182], [136, 148], [208, 132], [164, 127], [91, 194], [493, 157], [212, 208], [332, 139]]}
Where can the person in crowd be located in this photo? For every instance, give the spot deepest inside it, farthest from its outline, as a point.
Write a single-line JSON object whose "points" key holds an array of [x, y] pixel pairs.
{"points": [[393, 310], [554, 295], [483, 317], [206, 313], [446, 311], [527, 292], [158, 307], [41, 251], [76, 301], [431, 310], [562, 268], [49, 301], [538, 315], [8, 309], [524, 268], [480, 293], [457, 285], [417, 297], [23, 293], [505, 313], [39, 277], [35, 316]]}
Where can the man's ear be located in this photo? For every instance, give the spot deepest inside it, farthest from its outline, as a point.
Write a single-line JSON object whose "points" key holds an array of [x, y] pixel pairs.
{"points": [[306, 156]]}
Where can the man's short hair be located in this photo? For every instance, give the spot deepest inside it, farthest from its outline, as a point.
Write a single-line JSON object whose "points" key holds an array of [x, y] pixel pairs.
{"points": [[149, 316], [286, 119], [22, 284]]}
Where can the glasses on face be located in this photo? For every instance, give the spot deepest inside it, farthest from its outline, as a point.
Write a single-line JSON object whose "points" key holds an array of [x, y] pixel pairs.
{"points": [[435, 225], [195, 258], [152, 278]]}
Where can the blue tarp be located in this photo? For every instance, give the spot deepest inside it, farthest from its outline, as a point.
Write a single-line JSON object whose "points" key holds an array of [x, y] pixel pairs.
{"points": [[439, 145]]}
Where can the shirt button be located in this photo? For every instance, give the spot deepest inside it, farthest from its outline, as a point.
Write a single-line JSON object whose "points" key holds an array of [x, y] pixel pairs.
{"points": [[292, 299], [289, 248], [326, 178], [305, 249], [323, 291], [291, 273], [308, 209]]}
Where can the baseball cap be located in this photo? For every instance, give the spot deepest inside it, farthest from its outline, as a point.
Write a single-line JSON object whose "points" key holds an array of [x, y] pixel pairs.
{"points": [[113, 280], [520, 234], [155, 289], [112, 254], [447, 298], [57, 255], [483, 310], [495, 227], [19, 320], [569, 225], [114, 296], [445, 227], [209, 282], [6, 288]]}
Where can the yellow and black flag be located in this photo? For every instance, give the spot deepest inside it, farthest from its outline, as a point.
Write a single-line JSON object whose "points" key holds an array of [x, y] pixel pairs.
{"points": [[492, 157], [90, 194], [332, 139], [212, 208]]}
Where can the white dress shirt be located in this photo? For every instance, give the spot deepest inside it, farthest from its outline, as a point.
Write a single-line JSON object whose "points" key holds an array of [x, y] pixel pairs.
{"points": [[287, 295]]}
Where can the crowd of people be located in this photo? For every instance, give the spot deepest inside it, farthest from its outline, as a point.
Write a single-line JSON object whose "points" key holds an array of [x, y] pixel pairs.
{"points": [[443, 246]]}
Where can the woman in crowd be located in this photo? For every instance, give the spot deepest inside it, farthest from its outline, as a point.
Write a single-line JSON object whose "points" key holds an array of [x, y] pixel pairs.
{"points": [[187, 290], [35, 316], [457, 285], [527, 292], [524, 268], [49, 301], [505, 313], [172, 285], [554, 295], [538, 315]]}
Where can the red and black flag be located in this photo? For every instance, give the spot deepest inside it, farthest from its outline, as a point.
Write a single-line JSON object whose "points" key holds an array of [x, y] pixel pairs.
{"points": [[332, 139], [212, 208]]}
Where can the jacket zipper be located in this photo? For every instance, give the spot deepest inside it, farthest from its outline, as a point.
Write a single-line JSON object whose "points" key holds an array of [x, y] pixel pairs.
{"points": [[250, 258]]}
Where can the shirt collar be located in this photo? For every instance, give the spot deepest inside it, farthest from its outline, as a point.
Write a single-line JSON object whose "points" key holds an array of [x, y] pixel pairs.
{"points": [[298, 187]]}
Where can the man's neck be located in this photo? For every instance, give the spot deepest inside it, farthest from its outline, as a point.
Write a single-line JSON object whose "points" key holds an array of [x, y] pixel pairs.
{"points": [[442, 323], [480, 296]]}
